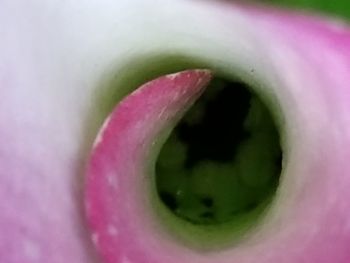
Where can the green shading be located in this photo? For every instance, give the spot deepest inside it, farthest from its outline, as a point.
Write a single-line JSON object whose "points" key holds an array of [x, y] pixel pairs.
{"points": [[217, 199], [141, 69], [340, 8]]}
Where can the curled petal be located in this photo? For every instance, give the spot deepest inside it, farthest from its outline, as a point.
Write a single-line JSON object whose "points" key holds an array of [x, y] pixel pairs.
{"points": [[55, 57]]}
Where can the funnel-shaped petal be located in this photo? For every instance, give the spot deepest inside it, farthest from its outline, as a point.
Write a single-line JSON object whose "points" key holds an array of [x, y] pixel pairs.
{"points": [[65, 64]]}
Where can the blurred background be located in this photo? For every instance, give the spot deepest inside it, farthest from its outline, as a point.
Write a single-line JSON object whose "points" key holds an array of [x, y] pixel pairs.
{"points": [[339, 8]]}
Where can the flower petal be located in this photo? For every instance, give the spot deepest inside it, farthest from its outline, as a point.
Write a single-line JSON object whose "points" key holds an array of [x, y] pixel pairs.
{"points": [[54, 57], [118, 174]]}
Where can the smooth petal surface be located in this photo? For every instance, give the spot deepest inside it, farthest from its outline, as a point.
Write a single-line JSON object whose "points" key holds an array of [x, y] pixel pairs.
{"points": [[117, 202], [54, 57]]}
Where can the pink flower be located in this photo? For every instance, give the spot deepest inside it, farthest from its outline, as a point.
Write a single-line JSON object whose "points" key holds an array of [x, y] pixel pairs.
{"points": [[65, 65]]}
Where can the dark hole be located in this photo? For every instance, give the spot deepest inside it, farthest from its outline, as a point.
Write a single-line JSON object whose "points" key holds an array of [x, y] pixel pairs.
{"points": [[207, 201], [215, 137], [224, 152], [169, 200]]}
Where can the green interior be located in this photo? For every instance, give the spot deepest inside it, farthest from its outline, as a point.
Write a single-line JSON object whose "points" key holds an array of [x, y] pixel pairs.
{"points": [[220, 166], [207, 200]]}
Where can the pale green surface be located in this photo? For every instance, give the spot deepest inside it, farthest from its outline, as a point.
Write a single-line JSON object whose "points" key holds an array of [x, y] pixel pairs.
{"points": [[143, 69]]}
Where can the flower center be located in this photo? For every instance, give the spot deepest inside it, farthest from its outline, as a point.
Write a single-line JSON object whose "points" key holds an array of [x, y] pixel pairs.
{"points": [[223, 159]]}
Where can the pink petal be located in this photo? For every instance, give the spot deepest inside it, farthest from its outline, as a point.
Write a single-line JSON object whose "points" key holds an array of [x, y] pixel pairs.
{"points": [[117, 198], [53, 57]]}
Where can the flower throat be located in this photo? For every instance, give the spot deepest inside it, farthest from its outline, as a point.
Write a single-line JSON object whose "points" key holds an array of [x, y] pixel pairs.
{"points": [[223, 158]]}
